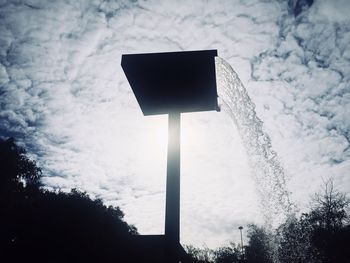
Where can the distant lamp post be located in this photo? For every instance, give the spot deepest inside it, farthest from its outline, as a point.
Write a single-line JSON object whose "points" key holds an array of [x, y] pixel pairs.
{"points": [[240, 229]]}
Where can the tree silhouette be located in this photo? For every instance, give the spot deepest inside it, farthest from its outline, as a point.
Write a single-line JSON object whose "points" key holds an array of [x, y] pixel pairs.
{"points": [[322, 235], [294, 239], [199, 255], [224, 254], [228, 254], [16, 170], [329, 208], [330, 234], [258, 249], [42, 226]]}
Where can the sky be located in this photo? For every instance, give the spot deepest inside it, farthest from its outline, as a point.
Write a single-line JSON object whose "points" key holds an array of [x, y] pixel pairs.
{"points": [[64, 96]]}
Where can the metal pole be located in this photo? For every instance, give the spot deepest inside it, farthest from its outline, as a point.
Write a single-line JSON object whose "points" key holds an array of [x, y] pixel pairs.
{"points": [[172, 206], [240, 229]]}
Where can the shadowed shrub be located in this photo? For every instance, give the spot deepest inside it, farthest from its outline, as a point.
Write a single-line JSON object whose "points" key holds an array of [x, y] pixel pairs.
{"points": [[43, 226]]}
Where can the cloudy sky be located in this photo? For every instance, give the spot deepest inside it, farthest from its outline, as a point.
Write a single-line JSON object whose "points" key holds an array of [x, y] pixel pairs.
{"points": [[65, 98]]}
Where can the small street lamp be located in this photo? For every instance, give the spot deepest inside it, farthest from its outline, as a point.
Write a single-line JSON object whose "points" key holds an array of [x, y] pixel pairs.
{"points": [[240, 229]]}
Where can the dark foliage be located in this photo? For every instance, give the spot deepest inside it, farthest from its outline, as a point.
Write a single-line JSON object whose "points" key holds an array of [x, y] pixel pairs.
{"points": [[329, 221], [43, 226], [228, 254], [16, 170], [294, 241], [320, 236], [199, 255], [225, 254], [259, 246]]}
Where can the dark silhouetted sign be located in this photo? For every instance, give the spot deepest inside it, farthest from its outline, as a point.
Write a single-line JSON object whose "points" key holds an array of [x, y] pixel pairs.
{"points": [[172, 82]]}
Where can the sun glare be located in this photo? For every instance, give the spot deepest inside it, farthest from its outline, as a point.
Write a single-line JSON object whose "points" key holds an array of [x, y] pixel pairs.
{"points": [[156, 134]]}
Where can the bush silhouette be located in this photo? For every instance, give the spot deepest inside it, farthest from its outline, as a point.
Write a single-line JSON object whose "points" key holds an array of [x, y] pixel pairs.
{"points": [[42, 226]]}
